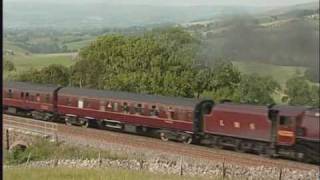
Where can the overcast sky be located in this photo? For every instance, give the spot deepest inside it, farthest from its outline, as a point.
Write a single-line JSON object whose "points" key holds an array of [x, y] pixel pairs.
{"points": [[185, 2]]}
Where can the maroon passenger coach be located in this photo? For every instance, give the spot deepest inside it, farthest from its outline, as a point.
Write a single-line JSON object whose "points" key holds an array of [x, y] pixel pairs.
{"points": [[131, 112], [36, 100]]}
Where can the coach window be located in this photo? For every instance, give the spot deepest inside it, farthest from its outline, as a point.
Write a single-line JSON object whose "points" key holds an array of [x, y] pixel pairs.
{"points": [[32, 97], [68, 101], [171, 113], [47, 98], [10, 93], [86, 103], [154, 111], [138, 109], [27, 95], [115, 106], [22, 95], [38, 97], [189, 116], [125, 107], [109, 105], [285, 121], [102, 106]]}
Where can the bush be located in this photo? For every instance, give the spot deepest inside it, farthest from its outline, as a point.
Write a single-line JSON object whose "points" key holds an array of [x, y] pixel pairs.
{"points": [[8, 66], [45, 150]]}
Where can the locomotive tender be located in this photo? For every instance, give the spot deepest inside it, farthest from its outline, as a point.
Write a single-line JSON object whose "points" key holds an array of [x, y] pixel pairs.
{"points": [[274, 131]]}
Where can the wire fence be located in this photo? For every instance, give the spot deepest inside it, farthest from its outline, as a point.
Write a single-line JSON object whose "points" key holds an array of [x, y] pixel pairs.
{"points": [[29, 125]]}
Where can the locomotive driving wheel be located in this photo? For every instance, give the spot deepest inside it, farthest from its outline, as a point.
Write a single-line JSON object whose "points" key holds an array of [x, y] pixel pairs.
{"points": [[164, 137]]}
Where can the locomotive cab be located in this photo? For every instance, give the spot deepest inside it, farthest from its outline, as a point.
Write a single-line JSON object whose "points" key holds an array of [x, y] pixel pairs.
{"points": [[288, 121]]}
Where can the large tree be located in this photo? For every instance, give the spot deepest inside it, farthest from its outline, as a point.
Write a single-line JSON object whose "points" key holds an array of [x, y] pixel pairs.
{"points": [[300, 92], [158, 62], [255, 89]]}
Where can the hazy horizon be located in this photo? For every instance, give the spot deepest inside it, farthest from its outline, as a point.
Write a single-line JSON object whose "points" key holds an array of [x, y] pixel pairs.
{"points": [[178, 2]]}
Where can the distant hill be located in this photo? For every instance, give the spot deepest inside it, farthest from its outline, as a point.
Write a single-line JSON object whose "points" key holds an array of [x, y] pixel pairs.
{"points": [[92, 15], [283, 36]]}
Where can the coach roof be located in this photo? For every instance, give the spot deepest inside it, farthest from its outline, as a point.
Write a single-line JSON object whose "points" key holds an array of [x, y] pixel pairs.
{"points": [[26, 86], [178, 101]]}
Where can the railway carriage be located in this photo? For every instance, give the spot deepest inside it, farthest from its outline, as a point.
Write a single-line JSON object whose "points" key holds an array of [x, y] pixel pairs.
{"points": [[308, 136], [38, 101], [171, 118]]}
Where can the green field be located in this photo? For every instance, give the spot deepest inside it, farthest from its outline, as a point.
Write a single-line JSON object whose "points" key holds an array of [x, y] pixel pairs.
{"points": [[24, 62], [24, 173], [279, 73], [79, 44]]}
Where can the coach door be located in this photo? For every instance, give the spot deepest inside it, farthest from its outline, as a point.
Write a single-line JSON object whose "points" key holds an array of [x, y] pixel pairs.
{"points": [[286, 130]]}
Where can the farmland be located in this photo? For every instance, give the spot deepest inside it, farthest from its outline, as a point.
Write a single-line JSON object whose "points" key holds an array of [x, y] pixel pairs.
{"points": [[280, 73]]}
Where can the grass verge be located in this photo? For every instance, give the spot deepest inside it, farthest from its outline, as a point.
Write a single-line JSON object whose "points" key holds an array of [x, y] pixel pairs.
{"points": [[18, 173]]}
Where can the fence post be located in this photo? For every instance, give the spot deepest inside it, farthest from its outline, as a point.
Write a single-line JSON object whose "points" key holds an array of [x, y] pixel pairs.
{"points": [[280, 174], [56, 138], [55, 163], [7, 139], [29, 156], [223, 169], [141, 164], [181, 166], [99, 159]]}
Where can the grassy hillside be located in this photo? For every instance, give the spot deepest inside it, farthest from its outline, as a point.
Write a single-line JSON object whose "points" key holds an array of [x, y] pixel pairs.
{"points": [[24, 62], [279, 73]]}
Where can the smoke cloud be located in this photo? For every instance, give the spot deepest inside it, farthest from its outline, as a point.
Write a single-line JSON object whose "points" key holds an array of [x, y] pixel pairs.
{"points": [[244, 39]]}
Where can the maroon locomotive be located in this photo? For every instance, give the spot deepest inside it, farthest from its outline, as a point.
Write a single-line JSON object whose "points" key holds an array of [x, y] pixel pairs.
{"points": [[275, 130]]}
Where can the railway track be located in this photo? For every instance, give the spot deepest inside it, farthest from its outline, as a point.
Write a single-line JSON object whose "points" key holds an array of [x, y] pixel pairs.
{"points": [[148, 143]]}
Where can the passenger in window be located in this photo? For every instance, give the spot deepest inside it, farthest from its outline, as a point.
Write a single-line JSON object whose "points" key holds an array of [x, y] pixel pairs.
{"points": [[154, 111], [125, 107], [10, 94], [38, 97], [138, 109], [109, 105]]}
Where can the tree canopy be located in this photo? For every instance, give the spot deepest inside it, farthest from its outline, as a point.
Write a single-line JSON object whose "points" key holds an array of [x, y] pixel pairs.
{"points": [[300, 92], [8, 66], [52, 74], [162, 61], [159, 62]]}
